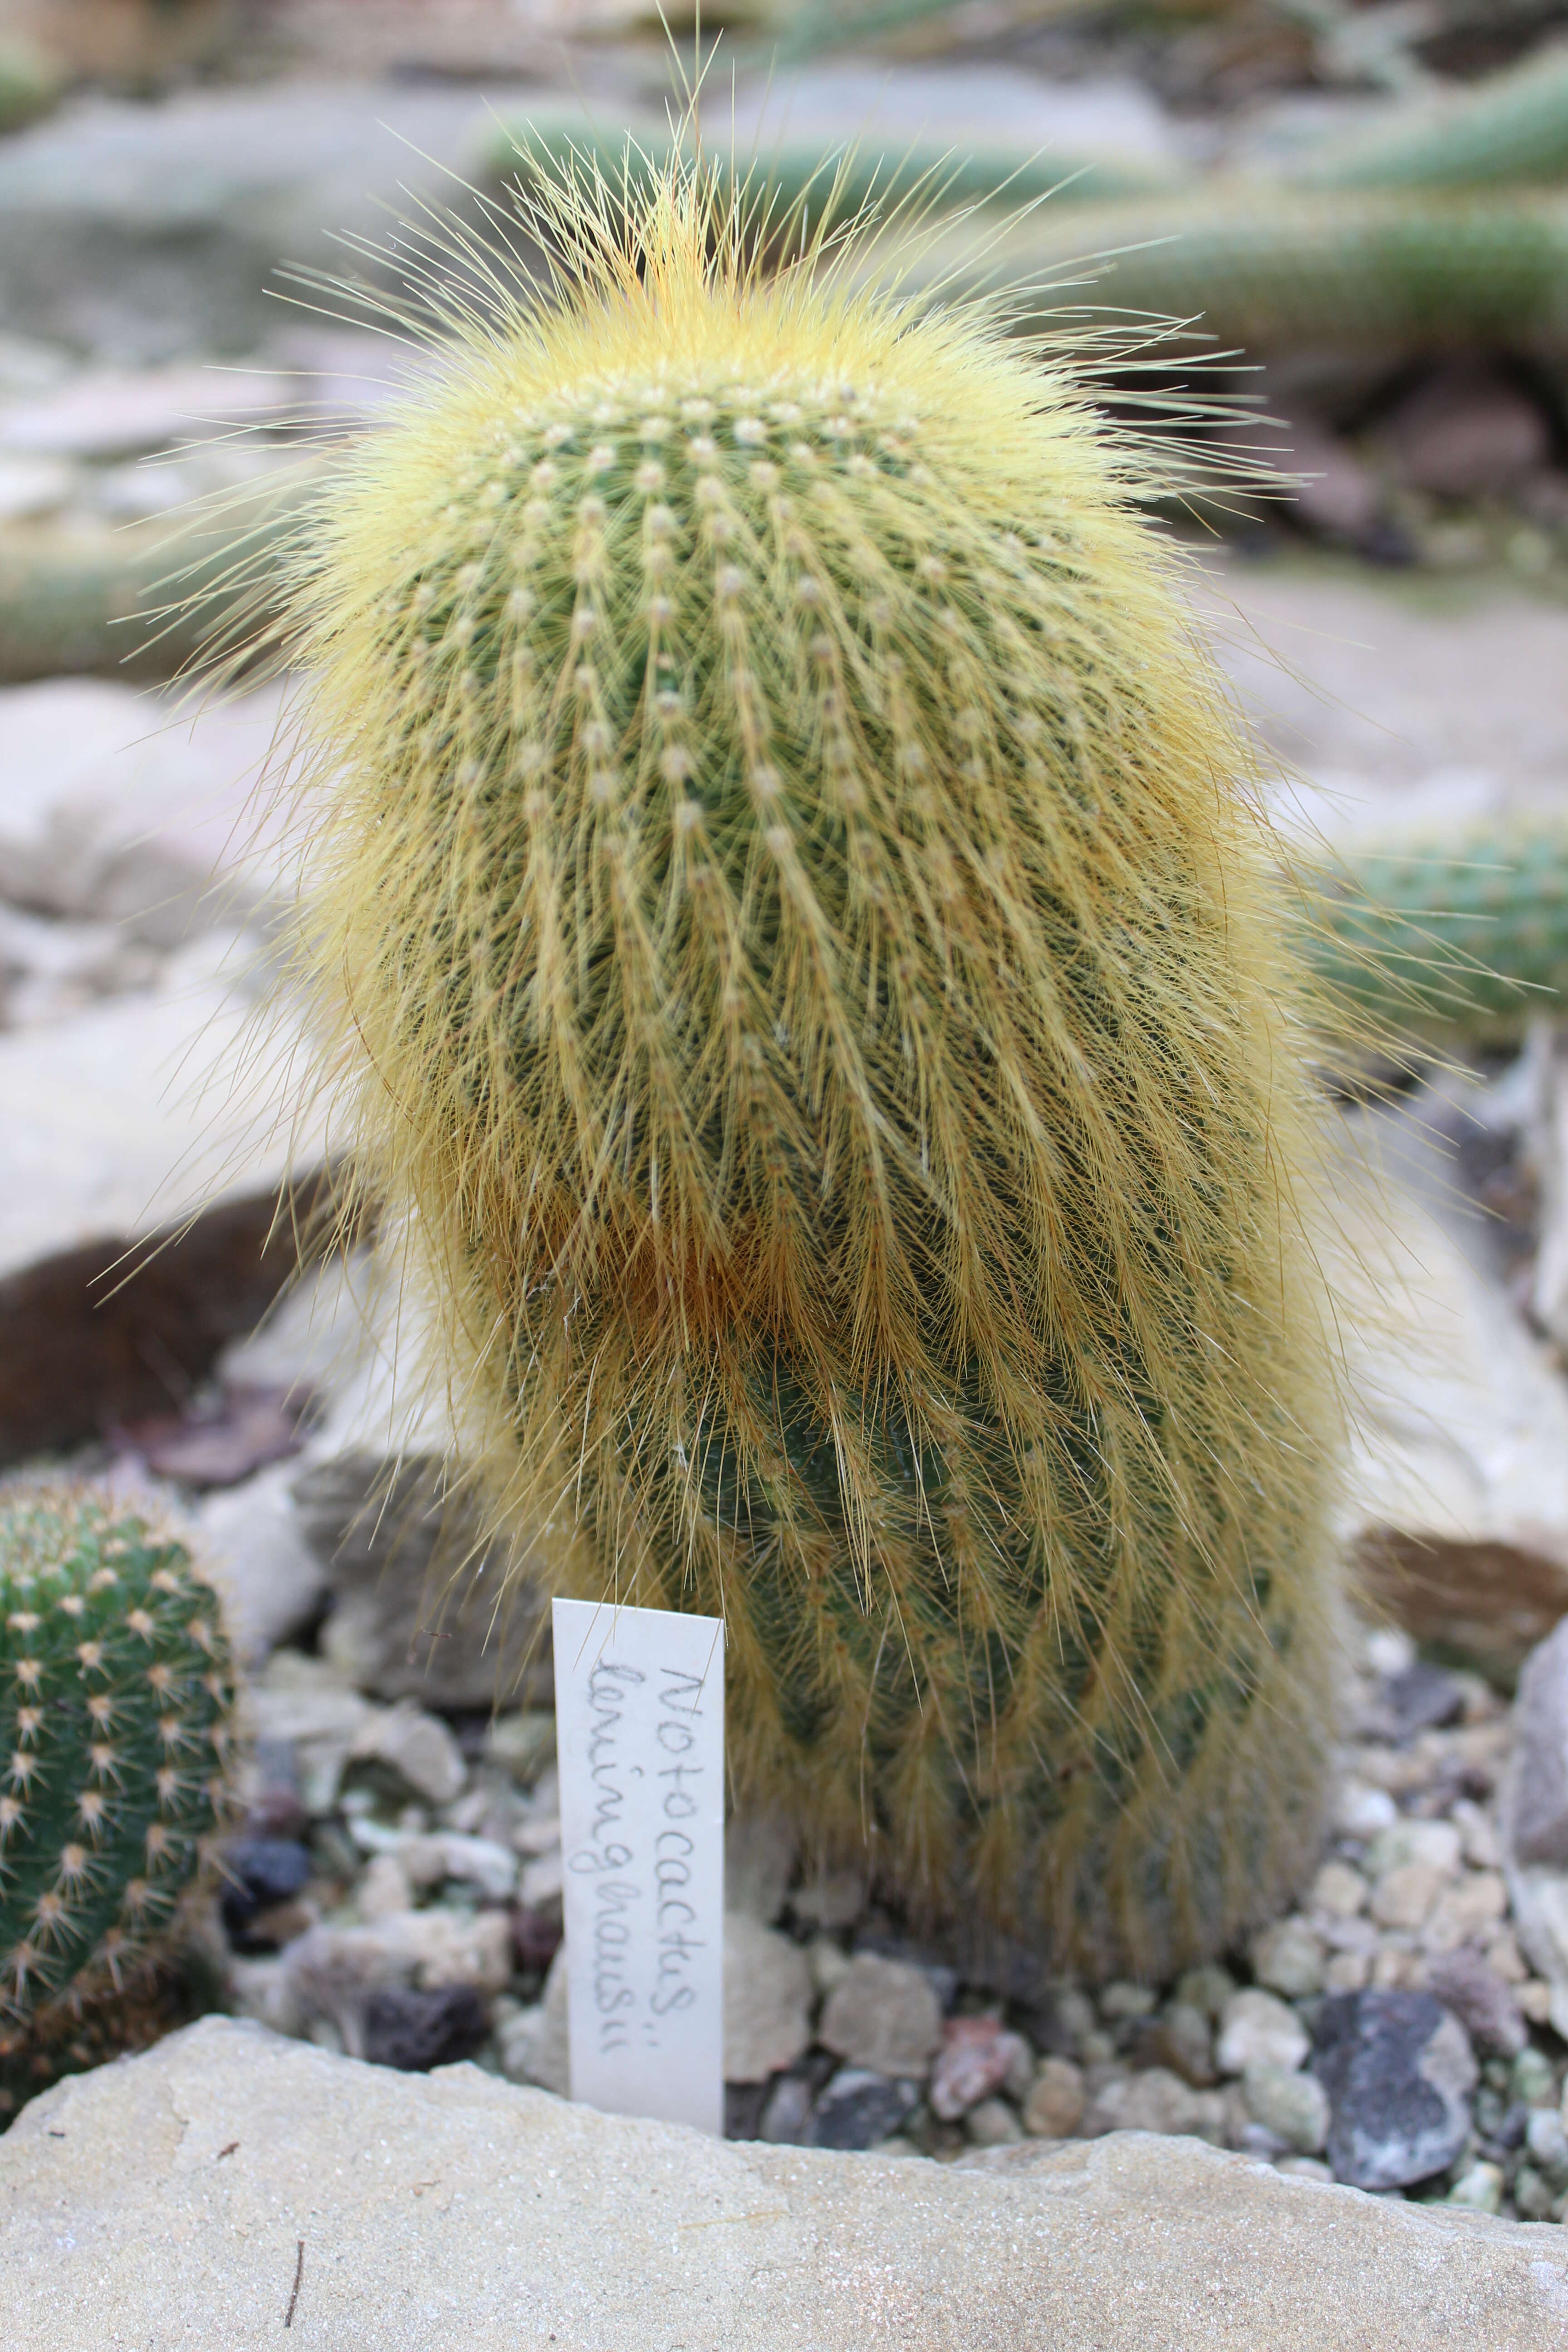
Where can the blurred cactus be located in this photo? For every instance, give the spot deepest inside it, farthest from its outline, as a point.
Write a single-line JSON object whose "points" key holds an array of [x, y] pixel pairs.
{"points": [[1467, 937], [31, 79], [787, 178], [114, 1713], [1269, 268], [1510, 126], [804, 982]]}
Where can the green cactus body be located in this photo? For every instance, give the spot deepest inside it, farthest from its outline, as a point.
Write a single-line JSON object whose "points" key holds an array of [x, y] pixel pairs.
{"points": [[1513, 126], [114, 1710], [1273, 269], [1467, 935], [802, 976]]}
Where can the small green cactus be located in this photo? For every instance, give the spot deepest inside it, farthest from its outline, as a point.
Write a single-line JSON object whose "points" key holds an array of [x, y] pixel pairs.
{"points": [[803, 969], [115, 1698], [1465, 935]]}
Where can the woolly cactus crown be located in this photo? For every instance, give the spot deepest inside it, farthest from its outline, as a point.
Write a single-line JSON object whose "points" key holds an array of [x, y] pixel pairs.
{"points": [[791, 930]]}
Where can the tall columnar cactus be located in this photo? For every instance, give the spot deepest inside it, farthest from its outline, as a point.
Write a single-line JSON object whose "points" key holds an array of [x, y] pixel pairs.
{"points": [[114, 1722], [799, 957], [1273, 268], [1465, 934]]}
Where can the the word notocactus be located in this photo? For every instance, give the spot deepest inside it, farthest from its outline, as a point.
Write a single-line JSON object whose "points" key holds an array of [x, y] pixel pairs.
{"points": [[115, 1723], [803, 970]]}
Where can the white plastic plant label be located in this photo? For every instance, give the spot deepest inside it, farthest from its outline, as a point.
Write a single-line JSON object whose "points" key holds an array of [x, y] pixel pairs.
{"points": [[640, 1740]]}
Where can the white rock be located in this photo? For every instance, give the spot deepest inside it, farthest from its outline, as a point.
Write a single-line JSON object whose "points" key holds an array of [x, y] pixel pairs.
{"points": [[544, 1879], [1436, 1843], [1288, 1959], [767, 2000], [270, 1581], [112, 807], [537, 2049], [479, 1861], [1339, 1891], [1154, 2100], [1258, 2030], [454, 1947], [884, 2017], [1459, 1417], [386, 1891], [300, 1703], [1361, 1810], [409, 2193], [417, 1747]]}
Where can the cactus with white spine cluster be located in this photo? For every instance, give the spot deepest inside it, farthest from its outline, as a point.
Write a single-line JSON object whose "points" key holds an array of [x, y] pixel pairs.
{"points": [[796, 947], [115, 1699]]}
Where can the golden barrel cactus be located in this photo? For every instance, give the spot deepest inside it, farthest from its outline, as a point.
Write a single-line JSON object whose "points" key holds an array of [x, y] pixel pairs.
{"points": [[794, 942]]}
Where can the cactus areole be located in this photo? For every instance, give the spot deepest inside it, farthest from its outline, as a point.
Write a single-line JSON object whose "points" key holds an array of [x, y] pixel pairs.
{"points": [[792, 939], [115, 1698]]}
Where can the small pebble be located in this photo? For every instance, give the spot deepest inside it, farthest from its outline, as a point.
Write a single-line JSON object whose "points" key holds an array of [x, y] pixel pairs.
{"points": [[1436, 1843], [882, 2018], [1258, 2029], [1120, 2000], [992, 2124], [1294, 2105], [1207, 1988], [1480, 2188], [1055, 2106], [858, 2109], [1339, 1890], [1362, 1811], [1288, 1958], [1547, 2141], [1534, 2198], [1404, 1897], [829, 1964], [1533, 2078], [415, 2031]]}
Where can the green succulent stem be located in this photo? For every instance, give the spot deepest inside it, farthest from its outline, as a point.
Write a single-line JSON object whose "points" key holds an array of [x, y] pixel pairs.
{"points": [[115, 1701]]}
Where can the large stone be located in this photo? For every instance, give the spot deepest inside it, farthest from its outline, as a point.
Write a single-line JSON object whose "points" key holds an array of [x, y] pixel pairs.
{"points": [[168, 2198], [137, 1211], [1398, 2070], [114, 806], [1457, 1502], [1533, 1820], [882, 2017], [767, 2000], [271, 1580], [1538, 1813], [416, 1610]]}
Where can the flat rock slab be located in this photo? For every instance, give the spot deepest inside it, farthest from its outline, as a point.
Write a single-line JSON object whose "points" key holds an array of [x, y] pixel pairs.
{"points": [[162, 2201]]}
